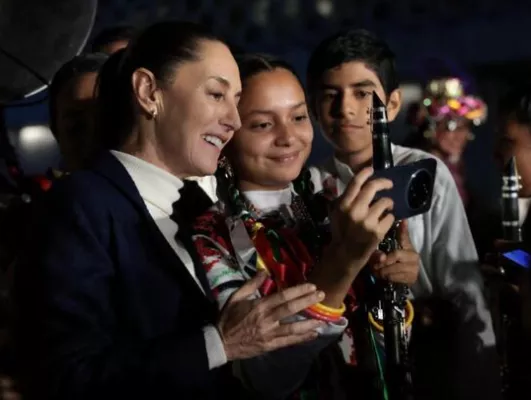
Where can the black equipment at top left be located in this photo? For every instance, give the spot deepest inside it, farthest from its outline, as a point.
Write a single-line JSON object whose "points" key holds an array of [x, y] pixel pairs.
{"points": [[36, 38]]}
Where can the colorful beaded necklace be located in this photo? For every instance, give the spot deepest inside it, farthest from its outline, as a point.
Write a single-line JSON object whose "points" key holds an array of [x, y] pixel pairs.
{"points": [[280, 250]]}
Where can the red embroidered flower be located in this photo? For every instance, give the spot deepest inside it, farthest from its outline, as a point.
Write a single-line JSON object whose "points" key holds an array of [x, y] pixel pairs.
{"points": [[212, 224]]}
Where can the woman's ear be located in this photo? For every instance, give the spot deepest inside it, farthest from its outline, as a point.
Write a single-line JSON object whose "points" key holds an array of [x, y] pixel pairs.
{"points": [[146, 91], [394, 104]]}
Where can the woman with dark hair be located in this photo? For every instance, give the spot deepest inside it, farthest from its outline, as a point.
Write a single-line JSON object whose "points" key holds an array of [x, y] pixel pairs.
{"points": [[513, 138], [111, 301], [268, 219], [71, 102]]}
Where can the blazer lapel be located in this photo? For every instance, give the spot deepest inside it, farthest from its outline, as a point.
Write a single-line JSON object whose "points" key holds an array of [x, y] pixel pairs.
{"points": [[111, 169]]}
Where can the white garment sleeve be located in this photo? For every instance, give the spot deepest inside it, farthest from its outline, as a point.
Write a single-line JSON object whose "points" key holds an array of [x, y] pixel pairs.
{"points": [[214, 347], [454, 258]]}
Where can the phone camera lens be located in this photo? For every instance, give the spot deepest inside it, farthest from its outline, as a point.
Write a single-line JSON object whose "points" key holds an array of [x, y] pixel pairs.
{"points": [[418, 191]]}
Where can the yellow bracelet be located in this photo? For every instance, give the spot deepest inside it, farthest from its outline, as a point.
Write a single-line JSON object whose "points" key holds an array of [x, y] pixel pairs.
{"points": [[334, 312], [410, 313]]}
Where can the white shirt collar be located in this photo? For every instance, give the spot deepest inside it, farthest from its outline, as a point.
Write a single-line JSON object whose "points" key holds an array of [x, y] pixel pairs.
{"points": [[343, 170], [208, 183], [269, 200], [155, 185]]}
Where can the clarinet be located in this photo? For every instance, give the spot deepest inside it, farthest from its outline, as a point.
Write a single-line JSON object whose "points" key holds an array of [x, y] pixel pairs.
{"points": [[392, 304], [512, 232], [510, 213]]}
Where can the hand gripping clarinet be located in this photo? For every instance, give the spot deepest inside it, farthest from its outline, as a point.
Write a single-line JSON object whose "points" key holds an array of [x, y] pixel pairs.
{"points": [[392, 306]]}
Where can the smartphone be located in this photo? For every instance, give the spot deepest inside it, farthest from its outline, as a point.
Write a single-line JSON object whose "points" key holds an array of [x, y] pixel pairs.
{"points": [[412, 190], [518, 258]]}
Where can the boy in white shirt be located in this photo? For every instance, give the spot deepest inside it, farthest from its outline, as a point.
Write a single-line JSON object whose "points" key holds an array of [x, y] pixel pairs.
{"points": [[343, 72]]}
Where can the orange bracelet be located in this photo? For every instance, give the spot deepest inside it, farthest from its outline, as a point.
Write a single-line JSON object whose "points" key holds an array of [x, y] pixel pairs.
{"points": [[320, 316], [324, 314], [329, 311]]}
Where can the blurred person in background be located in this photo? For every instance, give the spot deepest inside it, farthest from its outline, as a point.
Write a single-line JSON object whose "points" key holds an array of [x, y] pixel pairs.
{"points": [[514, 139], [71, 96], [71, 107], [510, 284], [442, 124]]}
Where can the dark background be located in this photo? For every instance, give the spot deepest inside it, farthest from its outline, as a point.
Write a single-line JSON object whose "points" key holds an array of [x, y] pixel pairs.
{"points": [[484, 42]]}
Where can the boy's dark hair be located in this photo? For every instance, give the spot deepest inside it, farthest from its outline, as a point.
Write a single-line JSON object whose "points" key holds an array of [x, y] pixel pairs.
{"points": [[353, 45], [111, 35]]}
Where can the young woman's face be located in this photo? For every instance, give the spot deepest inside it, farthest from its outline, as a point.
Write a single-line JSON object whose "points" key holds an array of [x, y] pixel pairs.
{"points": [[275, 139]]}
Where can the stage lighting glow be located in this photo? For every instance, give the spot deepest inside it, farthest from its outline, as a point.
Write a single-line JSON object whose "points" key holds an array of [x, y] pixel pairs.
{"points": [[325, 8], [411, 92], [35, 136]]}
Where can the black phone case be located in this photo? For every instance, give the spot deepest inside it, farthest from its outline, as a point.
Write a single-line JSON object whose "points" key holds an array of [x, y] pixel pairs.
{"points": [[412, 190]]}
